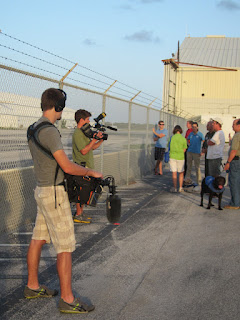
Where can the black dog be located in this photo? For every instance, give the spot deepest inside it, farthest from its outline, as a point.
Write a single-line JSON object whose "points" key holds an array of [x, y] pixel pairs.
{"points": [[215, 188]]}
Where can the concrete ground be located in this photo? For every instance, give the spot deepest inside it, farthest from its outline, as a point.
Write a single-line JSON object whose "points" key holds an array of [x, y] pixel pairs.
{"points": [[169, 259]]}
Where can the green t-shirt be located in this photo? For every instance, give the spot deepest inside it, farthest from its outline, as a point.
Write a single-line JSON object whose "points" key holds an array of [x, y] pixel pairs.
{"points": [[79, 142], [235, 145], [177, 145]]}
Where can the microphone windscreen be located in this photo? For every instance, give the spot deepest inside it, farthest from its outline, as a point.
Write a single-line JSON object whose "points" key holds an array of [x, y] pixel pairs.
{"points": [[113, 205], [112, 128]]}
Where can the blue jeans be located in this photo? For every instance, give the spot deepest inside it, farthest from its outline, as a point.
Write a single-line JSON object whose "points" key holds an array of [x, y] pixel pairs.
{"points": [[234, 183]]}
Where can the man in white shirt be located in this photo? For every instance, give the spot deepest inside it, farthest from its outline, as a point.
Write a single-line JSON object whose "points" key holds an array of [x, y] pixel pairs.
{"points": [[215, 148]]}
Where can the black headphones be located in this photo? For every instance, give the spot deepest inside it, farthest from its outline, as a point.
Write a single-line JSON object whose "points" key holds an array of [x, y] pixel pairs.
{"points": [[60, 105]]}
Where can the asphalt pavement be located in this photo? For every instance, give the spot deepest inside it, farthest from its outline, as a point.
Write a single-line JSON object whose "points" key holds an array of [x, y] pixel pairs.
{"points": [[168, 259]]}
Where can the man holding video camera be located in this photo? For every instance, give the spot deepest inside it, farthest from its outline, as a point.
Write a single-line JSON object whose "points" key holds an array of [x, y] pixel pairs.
{"points": [[54, 218], [82, 152]]}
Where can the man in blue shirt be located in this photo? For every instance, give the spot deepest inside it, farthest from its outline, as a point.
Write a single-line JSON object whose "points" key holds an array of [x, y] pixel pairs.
{"points": [[160, 137], [195, 140]]}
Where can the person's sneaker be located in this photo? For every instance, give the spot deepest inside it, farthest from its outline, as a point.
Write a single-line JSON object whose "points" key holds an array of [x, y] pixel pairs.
{"points": [[231, 207], [180, 190], [41, 292], [77, 306], [86, 217], [187, 181], [81, 219], [174, 190]]}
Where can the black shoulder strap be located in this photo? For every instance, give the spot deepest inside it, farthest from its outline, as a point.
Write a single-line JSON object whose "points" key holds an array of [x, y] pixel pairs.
{"points": [[32, 134]]}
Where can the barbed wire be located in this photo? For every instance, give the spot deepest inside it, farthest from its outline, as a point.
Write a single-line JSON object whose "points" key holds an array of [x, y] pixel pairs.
{"points": [[81, 66], [143, 96]]}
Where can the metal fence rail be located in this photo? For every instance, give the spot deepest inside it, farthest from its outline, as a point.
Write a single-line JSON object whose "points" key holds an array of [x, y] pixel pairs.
{"points": [[127, 154]]}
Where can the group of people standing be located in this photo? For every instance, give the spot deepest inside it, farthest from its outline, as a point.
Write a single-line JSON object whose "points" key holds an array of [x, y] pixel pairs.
{"points": [[185, 151]]}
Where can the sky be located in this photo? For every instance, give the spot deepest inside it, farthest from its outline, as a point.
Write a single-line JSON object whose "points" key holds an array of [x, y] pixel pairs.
{"points": [[125, 40]]}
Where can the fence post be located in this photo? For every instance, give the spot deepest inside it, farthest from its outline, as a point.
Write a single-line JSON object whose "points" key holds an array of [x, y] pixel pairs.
{"points": [[129, 138], [147, 129], [102, 148], [104, 110], [129, 134], [60, 86], [148, 110]]}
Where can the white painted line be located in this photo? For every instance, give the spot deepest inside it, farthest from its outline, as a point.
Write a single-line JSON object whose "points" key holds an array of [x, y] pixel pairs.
{"points": [[24, 259], [22, 233]]}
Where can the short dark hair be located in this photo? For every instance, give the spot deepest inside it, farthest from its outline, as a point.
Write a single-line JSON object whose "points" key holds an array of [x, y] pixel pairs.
{"points": [[160, 121], [190, 121], [81, 114], [194, 122], [176, 129], [238, 122], [50, 98]]}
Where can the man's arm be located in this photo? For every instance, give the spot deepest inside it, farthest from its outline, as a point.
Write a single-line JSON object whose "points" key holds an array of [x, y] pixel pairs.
{"points": [[230, 157], [160, 135], [97, 145], [214, 140], [93, 144], [211, 143], [73, 168]]}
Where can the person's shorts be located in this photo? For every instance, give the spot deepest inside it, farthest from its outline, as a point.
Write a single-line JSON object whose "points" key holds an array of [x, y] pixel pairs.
{"points": [[159, 153], [214, 167], [176, 165], [54, 224]]}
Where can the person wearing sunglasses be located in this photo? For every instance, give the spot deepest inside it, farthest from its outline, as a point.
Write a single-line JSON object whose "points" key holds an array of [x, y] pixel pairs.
{"points": [[160, 138]]}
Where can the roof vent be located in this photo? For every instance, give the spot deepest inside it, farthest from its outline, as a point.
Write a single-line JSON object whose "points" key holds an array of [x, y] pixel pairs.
{"points": [[218, 36]]}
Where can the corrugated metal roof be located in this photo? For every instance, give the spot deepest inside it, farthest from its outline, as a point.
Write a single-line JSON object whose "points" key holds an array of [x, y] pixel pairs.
{"points": [[217, 51]]}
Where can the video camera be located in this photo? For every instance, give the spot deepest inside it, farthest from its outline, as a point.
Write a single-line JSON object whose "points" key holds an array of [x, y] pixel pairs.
{"points": [[86, 128], [113, 202], [87, 190]]}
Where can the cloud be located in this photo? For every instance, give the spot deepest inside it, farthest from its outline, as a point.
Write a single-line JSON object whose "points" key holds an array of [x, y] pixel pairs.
{"points": [[89, 42], [229, 5], [142, 36]]}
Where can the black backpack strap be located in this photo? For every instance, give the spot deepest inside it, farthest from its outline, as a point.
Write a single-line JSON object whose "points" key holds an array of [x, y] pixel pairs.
{"points": [[32, 134]]}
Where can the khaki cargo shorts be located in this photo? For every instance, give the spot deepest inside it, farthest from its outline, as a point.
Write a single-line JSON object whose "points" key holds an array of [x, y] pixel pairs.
{"points": [[54, 224]]}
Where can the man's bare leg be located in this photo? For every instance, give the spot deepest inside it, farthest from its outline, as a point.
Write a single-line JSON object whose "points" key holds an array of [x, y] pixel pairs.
{"points": [[160, 168], [79, 209], [157, 167], [181, 177], [174, 178], [33, 258], [64, 268]]}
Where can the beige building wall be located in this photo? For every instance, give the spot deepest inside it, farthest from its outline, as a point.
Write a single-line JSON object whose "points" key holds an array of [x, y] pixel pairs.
{"points": [[201, 91]]}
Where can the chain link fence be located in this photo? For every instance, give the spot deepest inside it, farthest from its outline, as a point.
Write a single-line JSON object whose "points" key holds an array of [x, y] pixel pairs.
{"points": [[127, 154]]}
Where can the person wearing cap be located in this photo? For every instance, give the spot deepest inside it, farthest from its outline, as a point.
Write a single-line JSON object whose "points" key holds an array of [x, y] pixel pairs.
{"points": [[233, 165], [215, 148]]}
